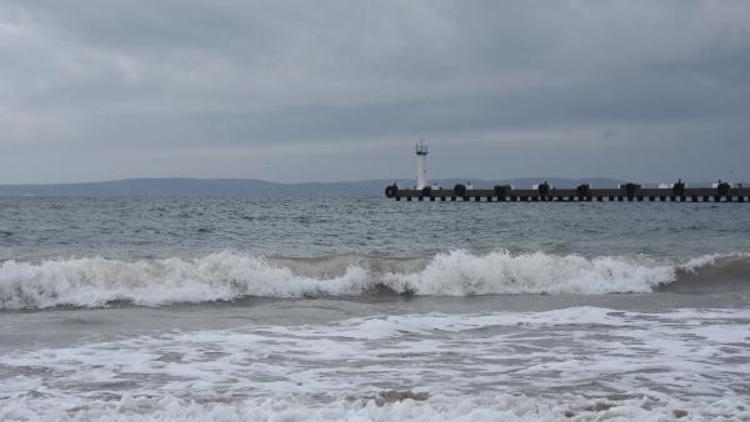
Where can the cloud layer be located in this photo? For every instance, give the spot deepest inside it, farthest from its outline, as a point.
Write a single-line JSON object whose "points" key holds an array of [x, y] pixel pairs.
{"points": [[333, 90]]}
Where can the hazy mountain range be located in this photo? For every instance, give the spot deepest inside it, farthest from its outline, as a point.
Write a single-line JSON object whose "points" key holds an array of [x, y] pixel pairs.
{"points": [[262, 188]]}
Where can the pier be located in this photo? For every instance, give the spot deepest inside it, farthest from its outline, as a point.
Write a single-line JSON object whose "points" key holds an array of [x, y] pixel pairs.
{"points": [[628, 192], [583, 193]]}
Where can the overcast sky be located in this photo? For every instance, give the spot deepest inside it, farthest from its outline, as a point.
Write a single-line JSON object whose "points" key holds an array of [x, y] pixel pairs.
{"points": [[340, 90]]}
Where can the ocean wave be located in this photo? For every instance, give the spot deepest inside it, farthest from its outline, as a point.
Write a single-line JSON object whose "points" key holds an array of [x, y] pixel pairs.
{"points": [[227, 276]]}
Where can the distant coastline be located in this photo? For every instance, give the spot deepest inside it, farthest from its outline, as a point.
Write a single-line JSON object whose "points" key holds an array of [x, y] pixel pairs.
{"points": [[263, 188]]}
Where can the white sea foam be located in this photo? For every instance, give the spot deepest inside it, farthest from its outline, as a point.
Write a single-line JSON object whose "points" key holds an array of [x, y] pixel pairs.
{"points": [[225, 276], [502, 407], [588, 363]]}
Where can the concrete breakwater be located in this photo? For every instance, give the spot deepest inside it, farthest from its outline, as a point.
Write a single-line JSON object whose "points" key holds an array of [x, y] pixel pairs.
{"points": [[630, 192]]}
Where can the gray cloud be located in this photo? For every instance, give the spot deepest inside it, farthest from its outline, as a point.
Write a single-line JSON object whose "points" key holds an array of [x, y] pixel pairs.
{"points": [[332, 90]]}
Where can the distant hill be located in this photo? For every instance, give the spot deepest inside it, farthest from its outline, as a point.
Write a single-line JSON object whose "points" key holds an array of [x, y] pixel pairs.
{"points": [[262, 188]]}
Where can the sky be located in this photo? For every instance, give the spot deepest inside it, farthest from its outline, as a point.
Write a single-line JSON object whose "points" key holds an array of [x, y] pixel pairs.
{"points": [[333, 90]]}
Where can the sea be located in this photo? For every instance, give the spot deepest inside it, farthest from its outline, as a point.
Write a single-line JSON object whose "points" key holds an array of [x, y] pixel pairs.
{"points": [[367, 309]]}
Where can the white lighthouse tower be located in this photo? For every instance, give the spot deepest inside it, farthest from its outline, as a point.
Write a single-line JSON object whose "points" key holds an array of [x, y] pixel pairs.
{"points": [[421, 164]]}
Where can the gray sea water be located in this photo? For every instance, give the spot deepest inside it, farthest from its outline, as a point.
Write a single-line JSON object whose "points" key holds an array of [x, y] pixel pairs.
{"points": [[369, 309]]}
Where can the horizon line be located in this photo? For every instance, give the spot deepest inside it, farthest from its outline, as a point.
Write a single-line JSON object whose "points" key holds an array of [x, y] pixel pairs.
{"points": [[219, 179]]}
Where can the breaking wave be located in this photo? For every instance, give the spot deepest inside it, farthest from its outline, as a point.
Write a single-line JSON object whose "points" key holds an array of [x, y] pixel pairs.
{"points": [[228, 276]]}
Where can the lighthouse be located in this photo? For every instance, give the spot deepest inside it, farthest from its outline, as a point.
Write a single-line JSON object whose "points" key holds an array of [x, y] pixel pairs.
{"points": [[421, 164]]}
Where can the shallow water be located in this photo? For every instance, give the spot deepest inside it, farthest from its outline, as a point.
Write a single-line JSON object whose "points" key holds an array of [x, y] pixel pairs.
{"points": [[368, 309]]}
